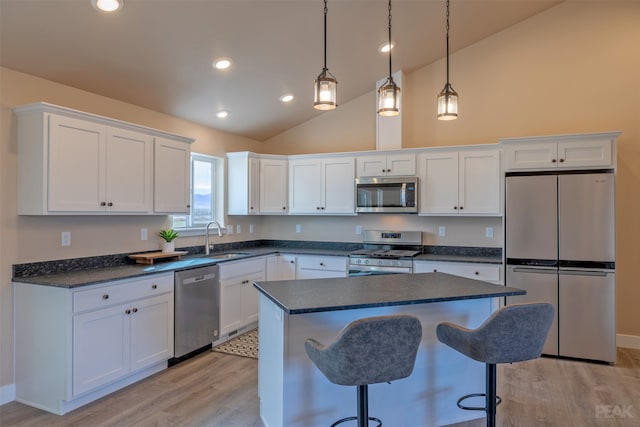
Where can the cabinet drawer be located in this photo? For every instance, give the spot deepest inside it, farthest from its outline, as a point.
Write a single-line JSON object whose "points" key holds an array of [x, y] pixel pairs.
{"points": [[486, 272], [120, 292], [242, 268], [322, 263]]}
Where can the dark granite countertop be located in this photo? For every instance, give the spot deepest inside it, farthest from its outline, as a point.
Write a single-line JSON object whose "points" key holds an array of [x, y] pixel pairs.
{"points": [[317, 295], [72, 274]]}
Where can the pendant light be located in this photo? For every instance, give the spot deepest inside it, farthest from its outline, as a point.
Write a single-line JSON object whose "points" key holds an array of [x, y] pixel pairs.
{"points": [[326, 85], [389, 92], [448, 98]]}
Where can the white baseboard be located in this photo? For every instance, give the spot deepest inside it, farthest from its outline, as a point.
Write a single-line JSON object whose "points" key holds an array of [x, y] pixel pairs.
{"points": [[7, 393], [628, 341]]}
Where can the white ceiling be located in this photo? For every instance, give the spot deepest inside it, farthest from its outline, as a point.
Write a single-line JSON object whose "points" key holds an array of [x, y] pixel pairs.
{"points": [[157, 53]]}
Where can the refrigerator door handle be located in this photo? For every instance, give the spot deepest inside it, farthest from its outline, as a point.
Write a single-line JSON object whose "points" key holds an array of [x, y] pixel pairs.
{"points": [[534, 270], [584, 273]]}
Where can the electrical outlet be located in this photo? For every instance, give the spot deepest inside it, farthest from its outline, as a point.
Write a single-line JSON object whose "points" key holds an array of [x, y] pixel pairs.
{"points": [[358, 229], [250, 228], [442, 231], [298, 228], [65, 238], [488, 232], [238, 229], [229, 229], [143, 234]]}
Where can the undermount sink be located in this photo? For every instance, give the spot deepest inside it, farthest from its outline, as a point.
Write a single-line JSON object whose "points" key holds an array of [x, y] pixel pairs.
{"points": [[227, 255]]}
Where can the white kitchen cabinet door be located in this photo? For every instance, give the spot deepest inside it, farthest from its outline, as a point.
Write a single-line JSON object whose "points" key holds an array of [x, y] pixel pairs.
{"points": [[479, 271], [479, 182], [465, 182], [305, 186], [338, 185], [273, 186], [76, 179], [281, 267], [250, 298], [538, 155], [128, 171], [231, 305], [172, 164], [588, 152], [438, 174], [151, 331], [320, 267], [243, 184], [386, 165], [101, 350]]}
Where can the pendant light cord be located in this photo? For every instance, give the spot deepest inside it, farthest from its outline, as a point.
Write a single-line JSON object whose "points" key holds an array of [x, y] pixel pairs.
{"points": [[325, 35], [390, 38], [447, 42]]}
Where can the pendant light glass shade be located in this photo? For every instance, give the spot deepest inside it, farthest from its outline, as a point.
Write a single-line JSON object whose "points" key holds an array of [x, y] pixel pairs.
{"points": [[325, 93], [448, 103], [389, 92], [448, 98], [389, 98]]}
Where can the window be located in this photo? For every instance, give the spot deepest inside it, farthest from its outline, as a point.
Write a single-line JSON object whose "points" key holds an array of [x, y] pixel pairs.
{"points": [[205, 194]]}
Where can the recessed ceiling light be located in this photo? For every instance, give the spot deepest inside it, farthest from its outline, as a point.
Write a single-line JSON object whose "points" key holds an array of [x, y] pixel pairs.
{"points": [[222, 114], [222, 63], [385, 47], [108, 5], [286, 98]]}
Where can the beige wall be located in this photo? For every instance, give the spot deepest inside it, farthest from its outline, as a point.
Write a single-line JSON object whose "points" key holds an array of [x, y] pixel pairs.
{"points": [[585, 51], [571, 69]]}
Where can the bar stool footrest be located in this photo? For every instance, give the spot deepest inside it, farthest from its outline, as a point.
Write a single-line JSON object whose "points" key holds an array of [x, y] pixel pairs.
{"points": [[344, 420], [475, 408]]}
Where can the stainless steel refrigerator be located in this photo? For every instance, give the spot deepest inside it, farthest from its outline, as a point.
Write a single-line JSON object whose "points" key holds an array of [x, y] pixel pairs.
{"points": [[560, 248]]}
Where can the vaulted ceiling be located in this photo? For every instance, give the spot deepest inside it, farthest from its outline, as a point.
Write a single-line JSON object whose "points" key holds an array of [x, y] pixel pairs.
{"points": [[158, 53]]}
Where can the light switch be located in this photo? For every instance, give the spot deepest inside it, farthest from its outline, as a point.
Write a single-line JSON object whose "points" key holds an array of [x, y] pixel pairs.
{"points": [[298, 228], [358, 229], [66, 238], [238, 229], [442, 231], [230, 229], [250, 228], [488, 232], [143, 234]]}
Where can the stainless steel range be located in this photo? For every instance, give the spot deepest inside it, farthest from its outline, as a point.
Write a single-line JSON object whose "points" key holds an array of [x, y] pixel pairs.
{"points": [[385, 252]]}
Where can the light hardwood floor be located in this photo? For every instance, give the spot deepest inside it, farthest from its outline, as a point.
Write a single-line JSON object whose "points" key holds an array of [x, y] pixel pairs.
{"points": [[215, 389]]}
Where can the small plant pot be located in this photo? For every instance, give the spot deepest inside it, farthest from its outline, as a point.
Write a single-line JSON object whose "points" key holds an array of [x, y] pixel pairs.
{"points": [[168, 247]]}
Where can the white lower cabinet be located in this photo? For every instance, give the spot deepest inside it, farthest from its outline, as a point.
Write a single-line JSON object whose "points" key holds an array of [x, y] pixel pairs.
{"points": [[238, 296], [487, 272], [74, 346], [281, 267], [320, 267]]}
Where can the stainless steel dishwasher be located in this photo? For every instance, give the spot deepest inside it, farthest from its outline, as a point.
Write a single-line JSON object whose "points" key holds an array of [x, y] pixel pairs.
{"points": [[197, 311]]}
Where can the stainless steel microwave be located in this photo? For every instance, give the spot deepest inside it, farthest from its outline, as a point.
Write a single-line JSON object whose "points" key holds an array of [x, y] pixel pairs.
{"points": [[398, 194]]}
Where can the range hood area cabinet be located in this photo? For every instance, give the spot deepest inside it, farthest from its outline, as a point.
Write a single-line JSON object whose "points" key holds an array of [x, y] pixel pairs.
{"points": [[386, 165], [257, 184], [70, 162], [460, 182]]}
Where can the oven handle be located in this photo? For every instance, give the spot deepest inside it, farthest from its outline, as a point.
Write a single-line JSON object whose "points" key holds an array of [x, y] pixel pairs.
{"points": [[377, 269]]}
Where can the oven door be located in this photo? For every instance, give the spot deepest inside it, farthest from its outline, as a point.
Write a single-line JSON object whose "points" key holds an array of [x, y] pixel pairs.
{"points": [[372, 270]]}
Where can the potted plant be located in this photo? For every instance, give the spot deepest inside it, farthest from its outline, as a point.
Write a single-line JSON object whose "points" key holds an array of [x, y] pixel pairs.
{"points": [[168, 236]]}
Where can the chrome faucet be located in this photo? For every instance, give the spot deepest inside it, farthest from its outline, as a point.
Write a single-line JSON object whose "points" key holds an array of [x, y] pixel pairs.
{"points": [[207, 245]]}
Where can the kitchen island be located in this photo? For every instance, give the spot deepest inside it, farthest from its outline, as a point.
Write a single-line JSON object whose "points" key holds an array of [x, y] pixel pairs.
{"points": [[292, 390]]}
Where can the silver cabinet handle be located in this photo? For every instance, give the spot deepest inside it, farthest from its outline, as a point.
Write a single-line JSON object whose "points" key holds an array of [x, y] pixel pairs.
{"points": [[583, 273]]}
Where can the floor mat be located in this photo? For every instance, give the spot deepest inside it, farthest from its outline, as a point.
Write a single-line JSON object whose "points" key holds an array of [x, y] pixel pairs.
{"points": [[245, 345]]}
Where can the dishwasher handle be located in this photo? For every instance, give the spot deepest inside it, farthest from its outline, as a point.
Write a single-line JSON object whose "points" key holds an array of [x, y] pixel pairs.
{"points": [[540, 270], [198, 279]]}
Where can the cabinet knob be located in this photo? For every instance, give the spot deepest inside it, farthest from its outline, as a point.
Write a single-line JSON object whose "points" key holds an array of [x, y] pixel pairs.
{"points": [[188, 206], [292, 262], [561, 160], [154, 286], [135, 310], [455, 207], [322, 264], [317, 207], [477, 273], [251, 208], [284, 208], [553, 160], [103, 203], [461, 207], [435, 271], [105, 296], [322, 208], [127, 311], [110, 204], [383, 171], [388, 170]]}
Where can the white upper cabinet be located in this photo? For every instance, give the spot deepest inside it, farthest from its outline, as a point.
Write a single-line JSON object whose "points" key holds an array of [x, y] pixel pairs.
{"points": [[172, 166], [386, 165], [243, 183], [587, 151], [71, 162], [465, 182], [274, 184], [322, 185]]}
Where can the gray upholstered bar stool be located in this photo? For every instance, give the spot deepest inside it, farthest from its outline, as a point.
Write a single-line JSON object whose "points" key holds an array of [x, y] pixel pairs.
{"points": [[368, 351], [514, 333]]}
